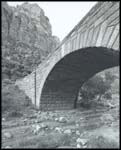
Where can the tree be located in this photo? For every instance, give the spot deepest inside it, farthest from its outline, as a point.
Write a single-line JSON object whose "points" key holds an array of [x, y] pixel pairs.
{"points": [[96, 87]]}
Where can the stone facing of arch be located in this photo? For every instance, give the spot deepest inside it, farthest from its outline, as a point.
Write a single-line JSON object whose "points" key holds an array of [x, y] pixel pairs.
{"points": [[99, 28]]}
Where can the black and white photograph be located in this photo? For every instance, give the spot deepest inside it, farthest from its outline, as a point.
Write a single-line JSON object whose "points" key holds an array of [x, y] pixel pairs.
{"points": [[60, 75]]}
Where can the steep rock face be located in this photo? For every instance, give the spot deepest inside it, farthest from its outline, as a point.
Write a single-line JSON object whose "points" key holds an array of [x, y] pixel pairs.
{"points": [[26, 36], [6, 19], [27, 24]]}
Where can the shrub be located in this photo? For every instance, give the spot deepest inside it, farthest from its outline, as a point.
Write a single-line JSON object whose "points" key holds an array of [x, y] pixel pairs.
{"points": [[13, 98], [96, 87], [109, 77], [6, 82], [108, 95], [15, 113]]}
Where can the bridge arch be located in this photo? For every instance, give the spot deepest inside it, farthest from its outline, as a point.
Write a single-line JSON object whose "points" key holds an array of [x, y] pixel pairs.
{"points": [[64, 79]]}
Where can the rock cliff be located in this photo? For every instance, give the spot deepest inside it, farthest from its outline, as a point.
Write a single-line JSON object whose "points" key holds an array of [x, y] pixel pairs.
{"points": [[26, 37]]}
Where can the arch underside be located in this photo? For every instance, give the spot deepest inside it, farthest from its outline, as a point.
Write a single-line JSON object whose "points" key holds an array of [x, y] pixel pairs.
{"points": [[68, 75]]}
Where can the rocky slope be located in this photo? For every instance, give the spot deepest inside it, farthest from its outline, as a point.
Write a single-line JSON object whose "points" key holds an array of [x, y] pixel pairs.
{"points": [[26, 39], [62, 129]]}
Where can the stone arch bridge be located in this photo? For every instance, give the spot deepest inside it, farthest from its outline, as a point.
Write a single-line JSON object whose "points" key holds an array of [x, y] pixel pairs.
{"points": [[91, 47]]}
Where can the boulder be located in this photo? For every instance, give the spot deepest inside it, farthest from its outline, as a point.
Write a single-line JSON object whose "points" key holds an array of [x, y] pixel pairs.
{"points": [[56, 119], [25, 120], [36, 128], [77, 125], [58, 129], [8, 135], [73, 131], [67, 131], [77, 132], [78, 145], [43, 126], [81, 141], [62, 120], [3, 119]]}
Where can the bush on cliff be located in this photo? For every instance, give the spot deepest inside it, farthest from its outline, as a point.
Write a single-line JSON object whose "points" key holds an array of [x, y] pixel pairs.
{"points": [[13, 99]]}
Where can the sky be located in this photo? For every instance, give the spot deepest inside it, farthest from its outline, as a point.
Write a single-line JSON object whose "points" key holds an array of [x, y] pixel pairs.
{"points": [[63, 16]]}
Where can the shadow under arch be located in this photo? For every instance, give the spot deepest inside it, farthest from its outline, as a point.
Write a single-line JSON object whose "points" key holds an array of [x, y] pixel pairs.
{"points": [[68, 75]]}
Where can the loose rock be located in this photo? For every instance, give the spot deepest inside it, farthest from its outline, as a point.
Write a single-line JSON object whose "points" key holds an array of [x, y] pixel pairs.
{"points": [[37, 121], [8, 147], [62, 120], [36, 129], [3, 119], [77, 125], [81, 141], [77, 132], [39, 112], [78, 146], [78, 140], [73, 131], [68, 131], [43, 126], [56, 119], [58, 129], [25, 120], [8, 135]]}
